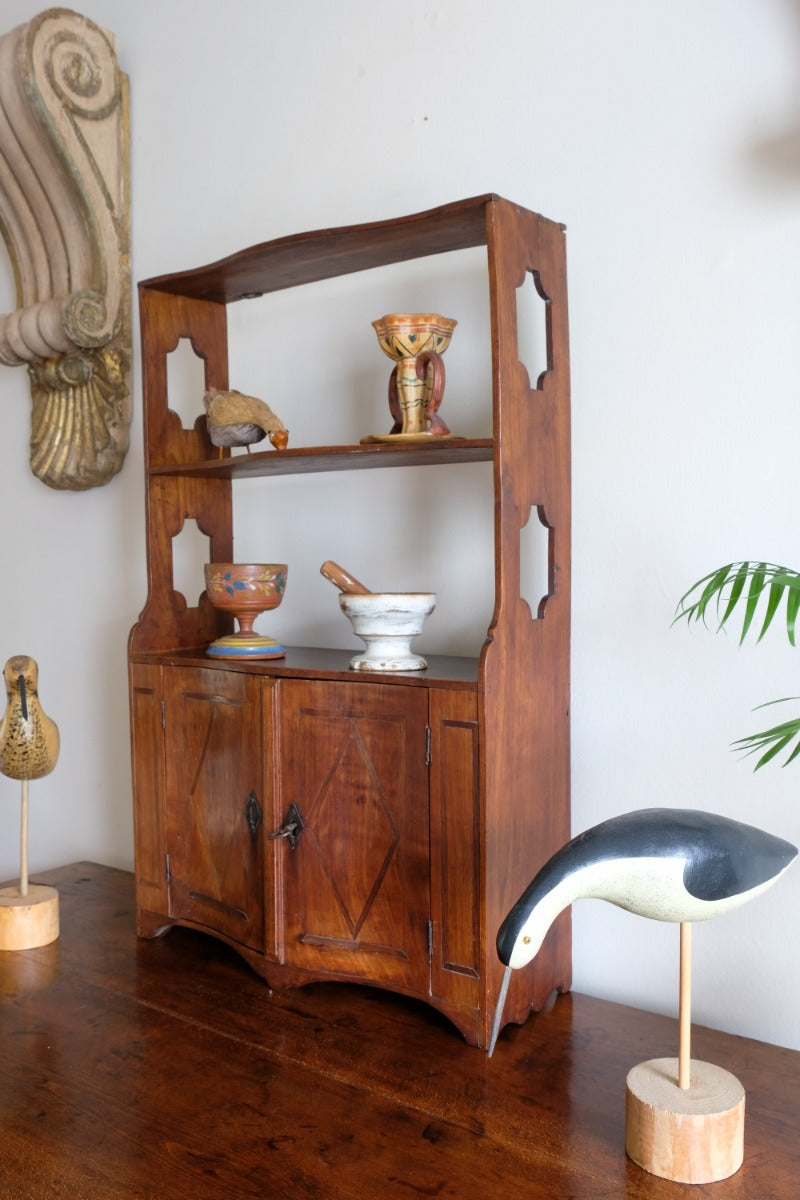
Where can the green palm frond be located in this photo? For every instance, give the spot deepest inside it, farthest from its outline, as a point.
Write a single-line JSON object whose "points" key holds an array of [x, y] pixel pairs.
{"points": [[772, 741], [738, 584], [748, 587]]}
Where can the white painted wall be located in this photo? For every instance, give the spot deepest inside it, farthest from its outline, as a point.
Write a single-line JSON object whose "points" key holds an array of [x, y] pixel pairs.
{"points": [[667, 137]]}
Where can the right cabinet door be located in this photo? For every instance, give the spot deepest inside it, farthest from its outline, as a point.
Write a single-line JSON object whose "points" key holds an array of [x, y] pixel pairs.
{"points": [[356, 892]]}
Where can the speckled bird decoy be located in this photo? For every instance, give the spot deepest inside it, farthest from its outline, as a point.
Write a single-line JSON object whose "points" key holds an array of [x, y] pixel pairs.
{"points": [[667, 864], [29, 740]]}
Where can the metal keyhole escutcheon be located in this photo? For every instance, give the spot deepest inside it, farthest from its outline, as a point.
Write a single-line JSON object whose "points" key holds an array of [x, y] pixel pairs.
{"points": [[253, 814], [293, 825]]}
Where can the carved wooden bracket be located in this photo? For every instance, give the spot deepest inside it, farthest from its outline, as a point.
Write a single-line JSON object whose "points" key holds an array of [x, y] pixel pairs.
{"points": [[65, 217]]}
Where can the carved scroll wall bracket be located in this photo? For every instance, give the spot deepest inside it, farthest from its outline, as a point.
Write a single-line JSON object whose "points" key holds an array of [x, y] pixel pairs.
{"points": [[65, 218]]}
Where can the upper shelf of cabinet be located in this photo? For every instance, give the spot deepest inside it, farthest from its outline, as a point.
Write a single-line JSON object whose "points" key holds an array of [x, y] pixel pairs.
{"points": [[306, 258], [324, 254]]}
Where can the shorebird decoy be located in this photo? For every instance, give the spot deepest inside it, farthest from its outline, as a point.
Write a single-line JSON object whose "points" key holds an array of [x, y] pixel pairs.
{"points": [[29, 740], [677, 865], [29, 744]]}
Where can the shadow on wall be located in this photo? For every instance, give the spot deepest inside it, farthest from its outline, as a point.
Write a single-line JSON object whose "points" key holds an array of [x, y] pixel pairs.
{"points": [[779, 154]]}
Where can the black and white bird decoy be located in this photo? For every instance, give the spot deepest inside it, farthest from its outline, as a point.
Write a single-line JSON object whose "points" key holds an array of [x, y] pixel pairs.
{"points": [[667, 864]]}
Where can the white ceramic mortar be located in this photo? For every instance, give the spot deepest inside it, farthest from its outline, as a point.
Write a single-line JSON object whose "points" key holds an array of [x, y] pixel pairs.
{"points": [[386, 622]]}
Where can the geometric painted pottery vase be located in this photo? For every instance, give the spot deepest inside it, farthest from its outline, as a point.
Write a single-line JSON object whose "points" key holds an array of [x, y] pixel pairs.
{"points": [[416, 342], [245, 590]]}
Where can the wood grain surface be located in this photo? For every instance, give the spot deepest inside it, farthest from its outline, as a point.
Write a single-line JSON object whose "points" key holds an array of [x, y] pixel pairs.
{"points": [[141, 1069]]}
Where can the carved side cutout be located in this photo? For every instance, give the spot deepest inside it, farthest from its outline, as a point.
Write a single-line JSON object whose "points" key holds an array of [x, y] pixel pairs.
{"points": [[533, 342], [186, 383], [535, 575], [190, 553], [65, 219]]}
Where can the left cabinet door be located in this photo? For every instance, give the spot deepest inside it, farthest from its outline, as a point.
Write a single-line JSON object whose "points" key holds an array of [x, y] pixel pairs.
{"points": [[215, 801]]}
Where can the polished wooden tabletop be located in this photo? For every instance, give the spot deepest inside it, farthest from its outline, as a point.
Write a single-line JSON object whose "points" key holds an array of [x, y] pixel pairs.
{"points": [[168, 1070]]}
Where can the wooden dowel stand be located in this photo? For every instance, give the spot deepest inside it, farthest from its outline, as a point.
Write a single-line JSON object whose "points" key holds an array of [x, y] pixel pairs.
{"points": [[23, 841], [685, 1009], [684, 1119], [29, 913]]}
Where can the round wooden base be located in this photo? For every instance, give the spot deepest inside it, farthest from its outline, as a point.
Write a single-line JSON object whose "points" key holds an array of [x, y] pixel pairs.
{"points": [[689, 1135], [28, 921]]}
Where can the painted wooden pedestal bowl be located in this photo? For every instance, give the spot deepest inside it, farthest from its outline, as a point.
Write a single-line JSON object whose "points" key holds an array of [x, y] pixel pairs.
{"points": [[245, 590]]}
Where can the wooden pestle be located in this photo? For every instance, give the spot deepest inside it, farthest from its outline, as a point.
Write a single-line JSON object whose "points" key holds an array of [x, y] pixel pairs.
{"points": [[342, 579]]}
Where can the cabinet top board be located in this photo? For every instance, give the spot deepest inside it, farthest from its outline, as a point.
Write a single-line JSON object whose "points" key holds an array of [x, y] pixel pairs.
{"points": [[326, 253]]}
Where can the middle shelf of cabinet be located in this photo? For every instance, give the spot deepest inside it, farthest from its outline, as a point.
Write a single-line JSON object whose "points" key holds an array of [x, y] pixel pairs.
{"points": [[305, 460]]}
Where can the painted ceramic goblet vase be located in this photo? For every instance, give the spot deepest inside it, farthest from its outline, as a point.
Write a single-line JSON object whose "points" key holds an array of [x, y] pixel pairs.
{"points": [[416, 341], [245, 590]]}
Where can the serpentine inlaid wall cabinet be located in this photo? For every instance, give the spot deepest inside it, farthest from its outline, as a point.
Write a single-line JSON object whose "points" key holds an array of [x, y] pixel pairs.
{"points": [[420, 803]]}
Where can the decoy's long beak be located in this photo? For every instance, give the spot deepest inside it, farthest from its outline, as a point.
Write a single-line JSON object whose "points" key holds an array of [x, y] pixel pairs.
{"points": [[498, 1012], [22, 697]]}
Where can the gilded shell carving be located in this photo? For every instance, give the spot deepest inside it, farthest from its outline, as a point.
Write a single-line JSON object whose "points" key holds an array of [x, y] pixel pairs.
{"points": [[65, 220], [79, 428]]}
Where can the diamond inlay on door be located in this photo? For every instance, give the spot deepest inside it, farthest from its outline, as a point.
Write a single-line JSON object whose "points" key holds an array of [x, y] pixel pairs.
{"points": [[352, 799], [353, 762]]}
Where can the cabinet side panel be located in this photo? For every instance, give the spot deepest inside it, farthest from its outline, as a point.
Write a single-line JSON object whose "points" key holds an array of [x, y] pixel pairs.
{"points": [[455, 847], [167, 621], [525, 663], [147, 751]]}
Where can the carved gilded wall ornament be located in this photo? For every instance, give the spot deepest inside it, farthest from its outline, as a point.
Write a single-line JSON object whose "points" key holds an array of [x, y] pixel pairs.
{"points": [[65, 218]]}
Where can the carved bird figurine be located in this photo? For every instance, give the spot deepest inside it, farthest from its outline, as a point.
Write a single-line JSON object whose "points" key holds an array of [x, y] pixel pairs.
{"points": [[234, 419], [29, 740], [677, 865]]}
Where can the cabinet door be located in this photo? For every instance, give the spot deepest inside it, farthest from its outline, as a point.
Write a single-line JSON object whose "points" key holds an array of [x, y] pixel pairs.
{"points": [[356, 886], [214, 801]]}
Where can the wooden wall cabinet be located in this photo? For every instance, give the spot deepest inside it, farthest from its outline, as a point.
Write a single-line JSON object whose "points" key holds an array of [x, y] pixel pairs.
{"points": [[329, 824]]}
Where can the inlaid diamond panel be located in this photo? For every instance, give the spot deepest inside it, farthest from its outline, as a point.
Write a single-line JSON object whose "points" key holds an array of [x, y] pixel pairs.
{"points": [[354, 832]]}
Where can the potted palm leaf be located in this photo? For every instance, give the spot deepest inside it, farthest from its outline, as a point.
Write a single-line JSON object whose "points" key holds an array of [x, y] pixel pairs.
{"points": [[741, 588]]}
